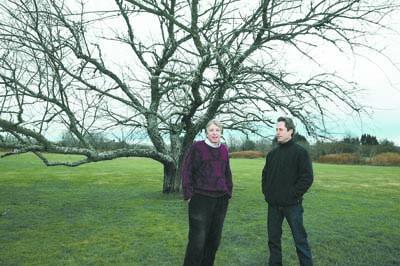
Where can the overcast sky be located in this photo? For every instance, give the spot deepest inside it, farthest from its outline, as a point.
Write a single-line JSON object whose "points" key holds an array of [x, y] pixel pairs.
{"points": [[380, 77], [383, 96], [377, 75]]}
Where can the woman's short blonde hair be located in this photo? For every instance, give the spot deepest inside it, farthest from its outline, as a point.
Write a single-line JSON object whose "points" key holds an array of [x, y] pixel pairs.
{"points": [[214, 122]]}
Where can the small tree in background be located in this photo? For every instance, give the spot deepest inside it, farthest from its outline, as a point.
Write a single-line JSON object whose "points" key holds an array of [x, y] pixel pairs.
{"points": [[367, 139], [248, 145]]}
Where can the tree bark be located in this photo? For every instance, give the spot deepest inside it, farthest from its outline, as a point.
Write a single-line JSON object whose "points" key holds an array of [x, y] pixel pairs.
{"points": [[172, 178]]}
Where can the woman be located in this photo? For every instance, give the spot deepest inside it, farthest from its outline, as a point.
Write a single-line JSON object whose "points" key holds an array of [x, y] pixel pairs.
{"points": [[207, 187]]}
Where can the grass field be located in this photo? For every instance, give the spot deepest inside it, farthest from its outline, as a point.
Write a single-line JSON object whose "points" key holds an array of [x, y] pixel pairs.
{"points": [[113, 213]]}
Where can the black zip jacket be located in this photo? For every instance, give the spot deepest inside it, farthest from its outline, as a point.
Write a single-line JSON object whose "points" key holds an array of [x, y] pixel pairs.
{"points": [[287, 174]]}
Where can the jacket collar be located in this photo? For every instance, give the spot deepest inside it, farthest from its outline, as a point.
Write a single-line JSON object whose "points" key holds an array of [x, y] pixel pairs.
{"points": [[286, 144]]}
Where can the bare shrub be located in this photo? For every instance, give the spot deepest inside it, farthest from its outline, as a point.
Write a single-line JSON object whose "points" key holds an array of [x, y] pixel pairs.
{"points": [[247, 154], [387, 158], [340, 158]]}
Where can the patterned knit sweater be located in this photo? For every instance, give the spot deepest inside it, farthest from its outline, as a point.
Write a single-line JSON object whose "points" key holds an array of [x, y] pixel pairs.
{"points": [[206, 171]]}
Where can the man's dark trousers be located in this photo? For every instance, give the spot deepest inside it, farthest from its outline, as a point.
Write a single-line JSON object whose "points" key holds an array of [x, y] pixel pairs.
{"points": [[294, 217], [206, 219]]}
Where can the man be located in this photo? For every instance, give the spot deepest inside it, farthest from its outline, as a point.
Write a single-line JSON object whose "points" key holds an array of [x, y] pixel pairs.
{"points": [[286, 176]]}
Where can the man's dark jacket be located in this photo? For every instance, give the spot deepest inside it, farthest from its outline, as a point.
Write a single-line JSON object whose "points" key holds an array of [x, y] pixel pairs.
{"points": [[287, 174]]}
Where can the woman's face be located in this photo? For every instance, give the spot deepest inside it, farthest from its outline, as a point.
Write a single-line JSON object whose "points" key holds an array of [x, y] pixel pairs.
{"points": [[214, 134]]}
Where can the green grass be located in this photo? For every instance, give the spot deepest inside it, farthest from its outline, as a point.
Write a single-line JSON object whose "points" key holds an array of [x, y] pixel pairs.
{"points": [[113, 213]]}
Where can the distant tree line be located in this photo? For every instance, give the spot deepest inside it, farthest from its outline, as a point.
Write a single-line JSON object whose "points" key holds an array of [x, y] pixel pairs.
{"points": [[366, 146], [99, 141], [96, 140]]}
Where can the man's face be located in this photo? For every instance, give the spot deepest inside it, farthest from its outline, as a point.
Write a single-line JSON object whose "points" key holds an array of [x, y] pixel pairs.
{"points": [[214, 134], [282, 134]]}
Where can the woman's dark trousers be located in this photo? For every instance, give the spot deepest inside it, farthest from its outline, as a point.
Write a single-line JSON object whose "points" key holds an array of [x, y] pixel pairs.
{"points": [[206, 219], [294, 217]]}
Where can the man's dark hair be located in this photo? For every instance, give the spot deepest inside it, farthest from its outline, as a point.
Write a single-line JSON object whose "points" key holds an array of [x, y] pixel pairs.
{"points": [[289, 124]]}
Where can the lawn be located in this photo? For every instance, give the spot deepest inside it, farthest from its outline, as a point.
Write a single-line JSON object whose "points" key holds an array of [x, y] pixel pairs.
{"points": [[113, 213]]}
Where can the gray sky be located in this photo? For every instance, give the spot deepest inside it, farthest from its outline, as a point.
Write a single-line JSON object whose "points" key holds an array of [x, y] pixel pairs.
{"points": [[373, 72], [380, 77]]}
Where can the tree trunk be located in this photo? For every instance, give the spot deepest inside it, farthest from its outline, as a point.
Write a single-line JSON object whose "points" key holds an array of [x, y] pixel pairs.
{"points": [[172, 178]]}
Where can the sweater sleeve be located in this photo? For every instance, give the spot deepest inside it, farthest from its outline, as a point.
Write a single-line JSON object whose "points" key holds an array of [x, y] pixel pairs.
{"points": [[305, 175], [186, 173], [228, 178], [264, 175]]}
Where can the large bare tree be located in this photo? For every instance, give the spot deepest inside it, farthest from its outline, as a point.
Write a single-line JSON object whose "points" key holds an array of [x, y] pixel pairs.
{"points": [[160, 70]]}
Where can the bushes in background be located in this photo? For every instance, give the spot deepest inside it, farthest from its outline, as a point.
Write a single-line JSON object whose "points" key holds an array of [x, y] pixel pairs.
{"points": [[340, 158], [387, 158], [247, 154]]}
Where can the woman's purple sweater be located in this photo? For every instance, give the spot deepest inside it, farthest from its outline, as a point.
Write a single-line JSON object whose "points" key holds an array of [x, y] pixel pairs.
{"points": [[206, 171]]}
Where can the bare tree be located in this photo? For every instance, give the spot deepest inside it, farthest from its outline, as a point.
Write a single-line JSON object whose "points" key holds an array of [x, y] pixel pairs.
{"points": [[162, 69]]}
